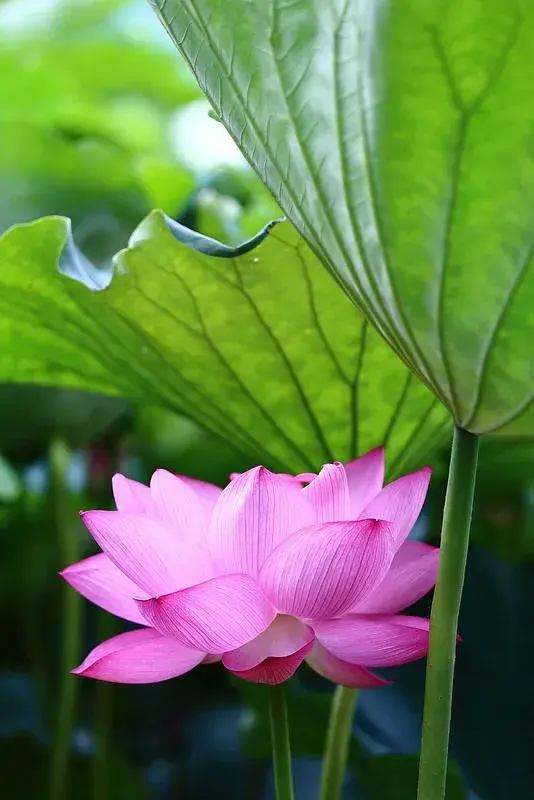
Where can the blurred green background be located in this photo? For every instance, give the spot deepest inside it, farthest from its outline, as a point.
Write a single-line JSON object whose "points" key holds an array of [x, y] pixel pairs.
{"points": [[100, 121]]}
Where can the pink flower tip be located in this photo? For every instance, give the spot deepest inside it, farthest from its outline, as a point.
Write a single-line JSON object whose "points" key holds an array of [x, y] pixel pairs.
{"points": [[378, 449], [378, 524]]}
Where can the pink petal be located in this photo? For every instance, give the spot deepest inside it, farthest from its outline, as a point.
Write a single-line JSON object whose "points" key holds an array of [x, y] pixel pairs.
{"points": [[255, 512], [275, 670], [132, 497], [141, 656], [208, 492], [400, 503], [412, 574], [334, 669], [322, 571], [215, 616], [148, 552], [375, 640], [179, 505], [328, 493], [365, 477], [100, 581], [284, 637]]}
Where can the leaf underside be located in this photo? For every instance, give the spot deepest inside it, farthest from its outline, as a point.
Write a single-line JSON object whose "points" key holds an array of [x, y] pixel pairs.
{"points": [[399, 139]]}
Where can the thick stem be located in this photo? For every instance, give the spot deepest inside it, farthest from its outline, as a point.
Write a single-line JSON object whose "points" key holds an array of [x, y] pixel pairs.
{"points": [[283, 779], [444, 617], [68, 551], [338, 742]]}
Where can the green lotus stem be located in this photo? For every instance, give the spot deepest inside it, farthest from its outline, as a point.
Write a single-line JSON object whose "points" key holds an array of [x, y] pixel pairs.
{"points": [[71, 618], [444, 617], [338, 742], [283, 778]]}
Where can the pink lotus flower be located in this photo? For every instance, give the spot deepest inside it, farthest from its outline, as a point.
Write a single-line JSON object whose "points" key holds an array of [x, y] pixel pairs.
{"points": [[260, 575]]}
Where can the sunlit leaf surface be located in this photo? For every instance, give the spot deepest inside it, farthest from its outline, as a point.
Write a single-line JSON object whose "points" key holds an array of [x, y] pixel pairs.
{"points": [[263, 347], [398, 138]]}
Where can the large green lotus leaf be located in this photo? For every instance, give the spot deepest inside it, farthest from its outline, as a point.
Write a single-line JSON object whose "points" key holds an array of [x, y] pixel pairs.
{"points": [[398, 136], [257, 343]]}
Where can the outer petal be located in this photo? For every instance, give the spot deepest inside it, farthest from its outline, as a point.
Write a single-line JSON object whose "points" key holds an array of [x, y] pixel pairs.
{"points": [[179, 505], [215, 616], [132, 497], [148, 552], [208, 492], [334, 669], [255, 512], [100, 581], [328, 493], [375, 640], [275, 670], [400, 503], [412, 574], [365, 477], [284, 637], [322, 571], [141, 656]]}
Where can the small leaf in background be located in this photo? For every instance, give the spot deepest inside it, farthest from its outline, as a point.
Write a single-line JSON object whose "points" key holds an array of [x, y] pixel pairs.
{"points": [[262, 348], [397, 137], [10, 487]]}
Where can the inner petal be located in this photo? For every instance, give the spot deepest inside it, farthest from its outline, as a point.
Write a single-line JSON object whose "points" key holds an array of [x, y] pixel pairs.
{"points": [[275, 670], [253, 515], [285, 636]]}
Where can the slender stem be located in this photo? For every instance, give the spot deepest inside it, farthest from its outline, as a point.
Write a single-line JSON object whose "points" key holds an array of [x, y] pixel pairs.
{"points": [[70, 616], [283, 779], [107, 628], [444, 617], [337, 742]]}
